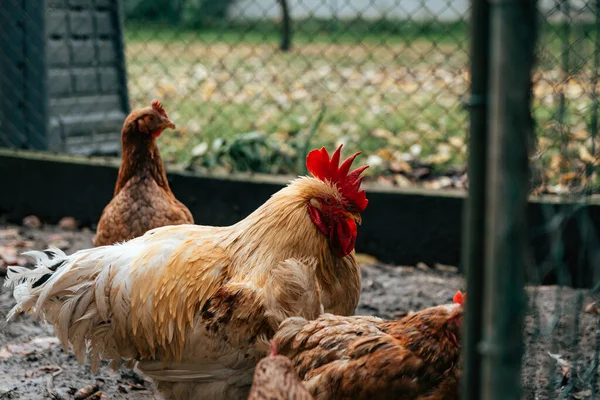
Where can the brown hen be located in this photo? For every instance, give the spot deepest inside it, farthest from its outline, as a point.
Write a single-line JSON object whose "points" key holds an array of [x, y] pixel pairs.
{"points": [[142, 199], [276, 379], [360, 357]]}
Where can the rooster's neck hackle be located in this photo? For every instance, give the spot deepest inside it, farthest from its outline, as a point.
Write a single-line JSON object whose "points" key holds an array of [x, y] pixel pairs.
{"points": [[283, 222], [140, 158]]}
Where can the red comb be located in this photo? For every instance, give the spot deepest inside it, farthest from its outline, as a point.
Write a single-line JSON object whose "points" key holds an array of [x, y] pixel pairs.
{"points": [[158, 107], [322, 167], [460, 298], [273, 348]]}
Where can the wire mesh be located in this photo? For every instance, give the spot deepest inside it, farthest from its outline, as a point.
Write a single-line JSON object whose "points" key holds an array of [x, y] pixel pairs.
{"points": [[561, 329], [392, 75], [251, 84]]}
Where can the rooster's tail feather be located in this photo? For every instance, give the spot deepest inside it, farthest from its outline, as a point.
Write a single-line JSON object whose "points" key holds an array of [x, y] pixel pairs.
{"points": [[73, 294]]}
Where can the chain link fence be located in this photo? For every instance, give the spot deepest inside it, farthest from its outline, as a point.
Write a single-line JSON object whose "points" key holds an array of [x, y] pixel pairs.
{"points": [[253, 84], [386, 78]]}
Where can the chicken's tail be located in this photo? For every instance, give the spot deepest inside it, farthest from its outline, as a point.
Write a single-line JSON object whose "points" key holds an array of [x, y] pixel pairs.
{"points": [[78, 294], [28, 282]]}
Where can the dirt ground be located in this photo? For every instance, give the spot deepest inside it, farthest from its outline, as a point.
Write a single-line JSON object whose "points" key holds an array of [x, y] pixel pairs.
{"points": [[557, 362]]}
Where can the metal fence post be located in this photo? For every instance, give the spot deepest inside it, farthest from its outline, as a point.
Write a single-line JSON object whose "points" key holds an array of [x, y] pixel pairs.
{"points": [[286, 26], [119, 21], [474, 213], [513, 32], [594, 95]]}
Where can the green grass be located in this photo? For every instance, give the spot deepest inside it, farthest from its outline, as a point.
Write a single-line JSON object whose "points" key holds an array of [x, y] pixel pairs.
{"points": [[304, 31], [391, 90]]}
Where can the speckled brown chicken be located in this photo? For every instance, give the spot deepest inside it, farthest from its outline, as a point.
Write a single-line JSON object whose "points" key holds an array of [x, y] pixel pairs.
{"points": [[142, 199], [359, 357], [276, 379]]}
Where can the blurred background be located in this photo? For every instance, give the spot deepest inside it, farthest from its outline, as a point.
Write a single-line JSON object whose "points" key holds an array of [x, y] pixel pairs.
{"points": [[252, 84]]}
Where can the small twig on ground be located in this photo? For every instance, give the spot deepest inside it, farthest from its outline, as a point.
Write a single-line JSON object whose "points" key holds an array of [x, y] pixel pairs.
{"points": [[53, 394], [55, 368]]}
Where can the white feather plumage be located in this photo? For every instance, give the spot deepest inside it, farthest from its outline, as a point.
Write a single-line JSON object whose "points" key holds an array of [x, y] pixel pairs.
{"points": [[87, 297]]}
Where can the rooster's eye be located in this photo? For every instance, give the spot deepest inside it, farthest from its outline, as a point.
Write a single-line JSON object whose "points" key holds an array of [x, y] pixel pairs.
{"points": [[328, 200], [351, 207]]}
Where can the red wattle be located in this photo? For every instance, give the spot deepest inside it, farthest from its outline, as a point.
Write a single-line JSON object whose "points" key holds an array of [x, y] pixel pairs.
{"points": [[342, 237], [317, 219], [454, 339]]}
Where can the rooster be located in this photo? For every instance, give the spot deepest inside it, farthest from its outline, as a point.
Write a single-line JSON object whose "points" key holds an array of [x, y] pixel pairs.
{"points": [[195, 306], [142, 199], [360, 357]]}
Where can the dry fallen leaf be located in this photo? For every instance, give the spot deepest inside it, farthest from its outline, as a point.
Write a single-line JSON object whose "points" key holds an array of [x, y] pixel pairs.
{"points": [[375, 161], [86, 392], [585, 155], [439, 183], [386, 154], [58, 241], [136, 386], [200, 149], [422, 266], [557, 163], [567, 177], [415, 150], [557, 189], [365, 259], [581, 134], [385, 180], [21, 244], [55, 369], [11, 233], [382, 133], [9, 254], [32, 222], [446, 268], [583, 394], [68, 224], [592, 308], [456, 141], [421, 173], [37, 344], [5, 353], [402, 181], [437, 159], [400, 166]]}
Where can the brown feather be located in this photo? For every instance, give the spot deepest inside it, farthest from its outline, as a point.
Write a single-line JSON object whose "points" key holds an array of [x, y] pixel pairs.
{"points": [[368, 358]]}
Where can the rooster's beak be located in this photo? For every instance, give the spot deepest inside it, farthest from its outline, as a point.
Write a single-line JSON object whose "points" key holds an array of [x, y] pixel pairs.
{"points": [[355, 217]]}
